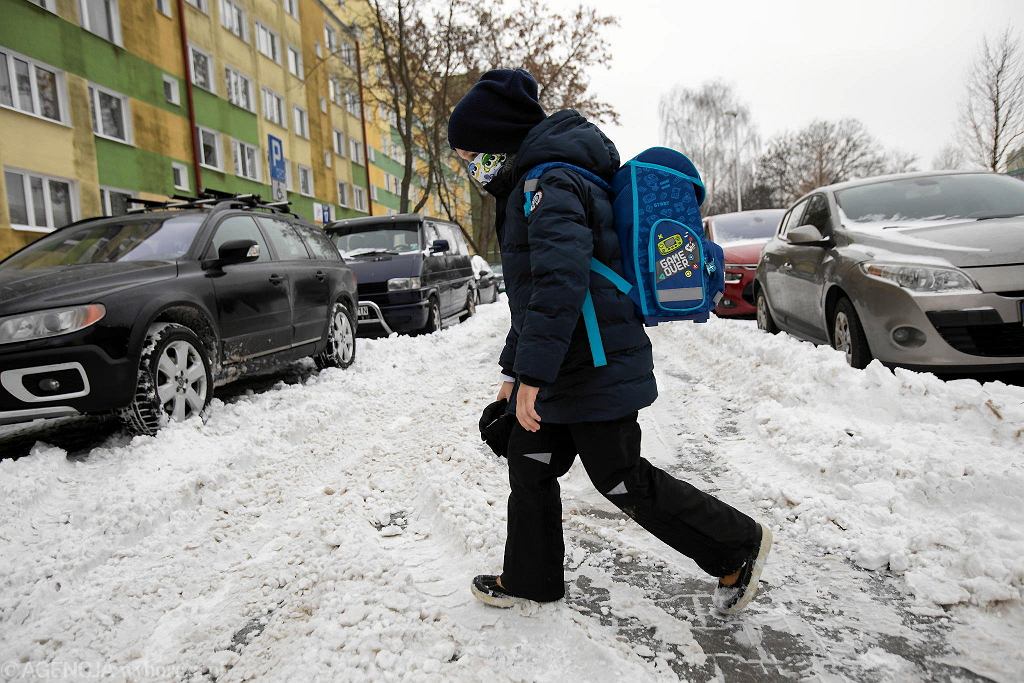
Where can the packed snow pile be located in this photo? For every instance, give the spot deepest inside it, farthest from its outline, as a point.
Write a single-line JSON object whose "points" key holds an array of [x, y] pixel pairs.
{"points": [[897, 470]]}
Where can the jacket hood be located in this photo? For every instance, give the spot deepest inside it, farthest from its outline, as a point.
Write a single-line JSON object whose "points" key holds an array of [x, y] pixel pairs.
{"points": [[569, 137]]}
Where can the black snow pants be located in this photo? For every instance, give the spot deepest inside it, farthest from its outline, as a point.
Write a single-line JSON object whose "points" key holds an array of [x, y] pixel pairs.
{"points": [[715, 535]]}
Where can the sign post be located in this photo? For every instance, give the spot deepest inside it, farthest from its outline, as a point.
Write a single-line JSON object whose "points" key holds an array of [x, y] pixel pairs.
{"points": [[278, 172]]}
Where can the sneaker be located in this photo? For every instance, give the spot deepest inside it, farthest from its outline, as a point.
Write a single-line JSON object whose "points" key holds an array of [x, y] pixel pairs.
{"points": [[486, 589], [731, 599]]}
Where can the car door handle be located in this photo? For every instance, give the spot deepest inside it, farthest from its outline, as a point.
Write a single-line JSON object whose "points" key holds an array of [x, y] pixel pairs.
{"points": [[321, 275], [787, 266], [276, 279]]}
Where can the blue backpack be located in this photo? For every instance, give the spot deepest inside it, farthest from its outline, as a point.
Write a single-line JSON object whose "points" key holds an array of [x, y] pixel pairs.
{"points": [[672, 270]]}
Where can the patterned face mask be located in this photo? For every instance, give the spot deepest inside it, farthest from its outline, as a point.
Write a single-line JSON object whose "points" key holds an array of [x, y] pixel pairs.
{"points": [[484, 167]]}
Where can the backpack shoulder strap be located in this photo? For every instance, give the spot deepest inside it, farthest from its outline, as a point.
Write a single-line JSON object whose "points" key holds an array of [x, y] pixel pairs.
{"points": [[534, 174]]}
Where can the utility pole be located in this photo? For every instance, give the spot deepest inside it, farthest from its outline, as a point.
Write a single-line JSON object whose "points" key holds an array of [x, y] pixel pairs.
{"points": [[736, 141]]}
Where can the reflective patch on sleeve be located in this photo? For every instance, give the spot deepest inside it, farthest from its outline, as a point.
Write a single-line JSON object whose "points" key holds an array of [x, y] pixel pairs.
{"points": [[539, 457], [537, 196], [618, 490]]}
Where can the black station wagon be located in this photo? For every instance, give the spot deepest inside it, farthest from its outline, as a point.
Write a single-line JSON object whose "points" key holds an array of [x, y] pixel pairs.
{"points": [[144, 314]]}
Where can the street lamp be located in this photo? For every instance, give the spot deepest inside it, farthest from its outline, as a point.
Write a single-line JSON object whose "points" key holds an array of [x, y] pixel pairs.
{"points": [[736, 140]]}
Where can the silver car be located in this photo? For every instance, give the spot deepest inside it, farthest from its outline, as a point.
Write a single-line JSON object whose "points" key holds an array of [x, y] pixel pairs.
{"points": [[918, 270]]}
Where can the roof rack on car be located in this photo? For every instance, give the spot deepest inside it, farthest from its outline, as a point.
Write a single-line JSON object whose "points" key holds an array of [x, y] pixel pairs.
{"points": [[209, 198]]}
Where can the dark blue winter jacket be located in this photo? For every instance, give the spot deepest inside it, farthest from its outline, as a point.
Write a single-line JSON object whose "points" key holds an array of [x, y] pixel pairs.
{"points": [[546, 264]]}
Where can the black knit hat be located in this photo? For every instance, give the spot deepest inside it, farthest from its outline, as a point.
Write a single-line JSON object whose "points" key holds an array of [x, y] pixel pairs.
{"points": [[496, 113]]}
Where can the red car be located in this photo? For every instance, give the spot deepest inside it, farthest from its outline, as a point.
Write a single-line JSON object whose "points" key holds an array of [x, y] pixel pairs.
{"points": [[742, 236]]}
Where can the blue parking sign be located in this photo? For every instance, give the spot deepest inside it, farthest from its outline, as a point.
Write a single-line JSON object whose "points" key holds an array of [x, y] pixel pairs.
{"points": [[278, 172]]}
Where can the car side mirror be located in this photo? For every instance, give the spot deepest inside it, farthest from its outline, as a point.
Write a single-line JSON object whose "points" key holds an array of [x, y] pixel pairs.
{"points": [[805, 234], [238, 251], [439, 247]]}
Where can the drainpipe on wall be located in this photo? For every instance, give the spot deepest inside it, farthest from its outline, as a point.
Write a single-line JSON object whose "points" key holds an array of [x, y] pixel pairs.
{"points": [[362, 120], [183, 36]]}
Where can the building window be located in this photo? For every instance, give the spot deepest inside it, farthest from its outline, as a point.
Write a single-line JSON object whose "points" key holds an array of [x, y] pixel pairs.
{"points": [[110, 114], [273, 107], [374, 194], [371, 154], [45, 4], [31, 87], [268, 43], [359, 198], [171, 92], [115, 202], [101, 17], [164, 7], [202, 68], [327, 159], [246, 159], [179, 176], [305, 180], [292, 8], [239, 89], [343, 194], [338, 138], [232, 17], [295, 62], [352, 104], [301, 122], [200, 5], [209, 149], [330, 39], [355, 149], [348, 55], [37, 202]]}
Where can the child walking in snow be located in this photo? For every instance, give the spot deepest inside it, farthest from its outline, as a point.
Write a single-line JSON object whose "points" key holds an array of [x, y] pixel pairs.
{"points": [[564, 406]]}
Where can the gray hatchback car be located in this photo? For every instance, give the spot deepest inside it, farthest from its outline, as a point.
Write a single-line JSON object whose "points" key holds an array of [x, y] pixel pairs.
{"points": [[918, 270]]}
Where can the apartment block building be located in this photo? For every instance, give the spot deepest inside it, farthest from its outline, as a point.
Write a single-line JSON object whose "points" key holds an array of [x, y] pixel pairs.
{"points": [[102, 100]]}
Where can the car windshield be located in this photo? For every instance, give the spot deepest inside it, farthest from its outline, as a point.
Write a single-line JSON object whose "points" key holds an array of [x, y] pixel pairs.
{"points": [[749, 225], [145, 239], [364, 240], [978, 196]]}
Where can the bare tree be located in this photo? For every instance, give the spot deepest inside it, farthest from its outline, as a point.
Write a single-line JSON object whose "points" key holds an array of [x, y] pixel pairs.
{"points": [[949, 158], [898, 161], [992, 120], [700, 123], [822, 153]]}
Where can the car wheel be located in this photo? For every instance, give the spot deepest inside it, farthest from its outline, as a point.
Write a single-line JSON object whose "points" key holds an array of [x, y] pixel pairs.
{"points": [[341, 340], [848, 335], [470, 305], [765, 322], [174, 380], [433, 318]]}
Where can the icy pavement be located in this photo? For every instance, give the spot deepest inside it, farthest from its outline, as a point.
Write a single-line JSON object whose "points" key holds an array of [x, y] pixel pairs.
{"points": [[327, 529]]}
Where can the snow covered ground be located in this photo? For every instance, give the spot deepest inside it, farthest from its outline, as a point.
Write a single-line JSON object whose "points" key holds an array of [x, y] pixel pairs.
{"points": [[327, 529]]}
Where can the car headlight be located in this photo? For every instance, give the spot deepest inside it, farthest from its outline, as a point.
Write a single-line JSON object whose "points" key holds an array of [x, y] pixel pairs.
{"points": [[49, 323], [398, 284], [919, 278]]}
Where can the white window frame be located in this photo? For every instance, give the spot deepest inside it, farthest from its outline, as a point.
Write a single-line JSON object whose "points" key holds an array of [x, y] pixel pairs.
{"points": [[126, 111], [47, 5], [352, 103], [192, 49], [217, 144], [229, 11], [62, 90], [291, 8], [48, 208], [117, 38], [105, 197], [183, 169], [233, 78], [343, 194], [355, 151], [338, 142], [282, 119], [358, 198], [274, 45], [300, 118], [309, 174], [331, 39], [201, 5], [164, 8], [238, 148], [374, 193], [175, 97], [295, 66], [334, 90]]}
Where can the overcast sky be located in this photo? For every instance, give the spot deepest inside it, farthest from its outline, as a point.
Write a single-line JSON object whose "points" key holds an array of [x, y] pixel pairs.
{"points": [[898, 66]]}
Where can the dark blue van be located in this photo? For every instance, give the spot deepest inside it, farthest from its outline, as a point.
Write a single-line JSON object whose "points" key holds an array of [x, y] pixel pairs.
{"points": [[413, 273]]}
